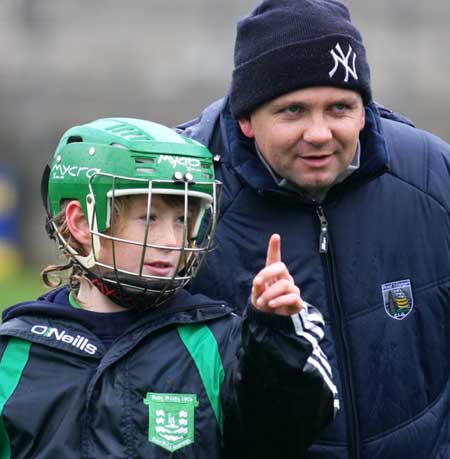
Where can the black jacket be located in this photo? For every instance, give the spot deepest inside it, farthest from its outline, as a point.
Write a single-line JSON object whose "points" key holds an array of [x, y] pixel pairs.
{"points": [[374, 257], [188, 380]]}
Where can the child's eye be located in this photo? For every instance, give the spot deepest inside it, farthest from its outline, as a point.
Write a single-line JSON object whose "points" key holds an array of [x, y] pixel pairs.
{"points": [[180, 219]]}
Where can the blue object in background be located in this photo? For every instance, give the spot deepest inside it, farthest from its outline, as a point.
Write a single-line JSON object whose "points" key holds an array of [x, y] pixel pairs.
{"points": [[9, 224]]}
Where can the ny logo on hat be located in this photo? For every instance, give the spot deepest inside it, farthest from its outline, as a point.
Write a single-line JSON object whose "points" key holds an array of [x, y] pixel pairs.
{"points": [[340, 58]]}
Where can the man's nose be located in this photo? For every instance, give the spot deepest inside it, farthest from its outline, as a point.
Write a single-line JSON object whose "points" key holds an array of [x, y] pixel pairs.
{"points": [[317, 132]]}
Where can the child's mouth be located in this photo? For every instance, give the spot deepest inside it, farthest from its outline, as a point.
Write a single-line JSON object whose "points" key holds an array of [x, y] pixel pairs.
{"points": [[159, 268]]}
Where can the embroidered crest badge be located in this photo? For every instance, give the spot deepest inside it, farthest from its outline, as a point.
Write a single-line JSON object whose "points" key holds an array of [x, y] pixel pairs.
{"points": [[397, 298], [171, 419]]}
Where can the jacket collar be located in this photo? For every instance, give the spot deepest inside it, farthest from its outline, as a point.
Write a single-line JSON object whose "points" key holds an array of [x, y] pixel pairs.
{"points": [[55, 304]]}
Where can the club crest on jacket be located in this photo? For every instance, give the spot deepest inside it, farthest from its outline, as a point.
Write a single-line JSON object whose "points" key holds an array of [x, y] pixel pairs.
{"points": [[171, 419], [397, 298]]}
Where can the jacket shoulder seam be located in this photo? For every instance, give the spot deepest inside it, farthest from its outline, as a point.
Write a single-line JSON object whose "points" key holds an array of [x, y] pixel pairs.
{"points": [[423, 191]]}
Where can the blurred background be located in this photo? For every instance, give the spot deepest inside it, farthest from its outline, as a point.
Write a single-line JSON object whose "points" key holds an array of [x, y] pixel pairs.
{"points": [[66, 62]]}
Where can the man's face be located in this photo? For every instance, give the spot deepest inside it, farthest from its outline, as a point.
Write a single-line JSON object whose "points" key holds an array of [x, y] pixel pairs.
{"points": [[308, 136]]}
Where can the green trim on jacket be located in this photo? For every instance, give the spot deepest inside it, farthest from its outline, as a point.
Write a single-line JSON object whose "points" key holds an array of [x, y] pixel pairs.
{"points": [[12, 364]]}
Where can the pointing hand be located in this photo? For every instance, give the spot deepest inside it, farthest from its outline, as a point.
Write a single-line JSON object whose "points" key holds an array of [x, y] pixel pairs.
{"points": [[274, 290]]}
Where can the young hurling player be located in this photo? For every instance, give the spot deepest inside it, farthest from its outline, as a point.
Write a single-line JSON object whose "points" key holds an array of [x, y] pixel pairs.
{"points": [[122, 361]]}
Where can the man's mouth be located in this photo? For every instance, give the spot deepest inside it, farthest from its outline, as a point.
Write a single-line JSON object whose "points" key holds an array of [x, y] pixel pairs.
{"points": [[316, 160]]}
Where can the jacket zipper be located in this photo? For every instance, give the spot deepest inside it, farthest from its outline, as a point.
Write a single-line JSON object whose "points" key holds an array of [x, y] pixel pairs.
{"points": [[336, 310], [323, 238]]}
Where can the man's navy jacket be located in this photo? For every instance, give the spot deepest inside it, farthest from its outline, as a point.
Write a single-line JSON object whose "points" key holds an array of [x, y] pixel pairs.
{"points": [[374, 257]]}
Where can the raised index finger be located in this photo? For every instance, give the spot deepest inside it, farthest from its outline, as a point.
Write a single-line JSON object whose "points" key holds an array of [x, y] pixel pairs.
{"points": [[273, 250]]}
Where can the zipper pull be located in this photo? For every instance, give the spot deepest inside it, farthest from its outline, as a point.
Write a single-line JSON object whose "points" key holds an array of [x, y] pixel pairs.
{"points": [[323, 238]]}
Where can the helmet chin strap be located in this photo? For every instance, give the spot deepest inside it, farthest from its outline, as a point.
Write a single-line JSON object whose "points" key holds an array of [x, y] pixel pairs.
{"points": [[130, 292]]}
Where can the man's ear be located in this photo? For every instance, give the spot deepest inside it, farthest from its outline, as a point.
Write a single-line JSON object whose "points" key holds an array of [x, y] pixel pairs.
{"points": [[246, 127], [363, 119], [78, 225]]}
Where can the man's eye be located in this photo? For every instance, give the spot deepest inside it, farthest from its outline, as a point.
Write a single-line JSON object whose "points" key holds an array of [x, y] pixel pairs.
{"points": [[292, 109], [340, 107]]}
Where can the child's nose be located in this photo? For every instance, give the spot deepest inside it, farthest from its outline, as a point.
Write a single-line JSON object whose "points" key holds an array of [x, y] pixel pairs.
{"points": [[167, 235]]}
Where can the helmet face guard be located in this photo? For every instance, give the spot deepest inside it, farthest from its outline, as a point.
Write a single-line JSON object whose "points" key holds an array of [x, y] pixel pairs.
{"points": [[99, 163]]}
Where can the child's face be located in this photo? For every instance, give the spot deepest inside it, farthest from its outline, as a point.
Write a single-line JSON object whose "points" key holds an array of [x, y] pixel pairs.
{"points": [[165, 229]]}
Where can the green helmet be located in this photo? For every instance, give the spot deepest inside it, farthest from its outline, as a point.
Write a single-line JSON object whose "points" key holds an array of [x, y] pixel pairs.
{"points": [[98, 162]]}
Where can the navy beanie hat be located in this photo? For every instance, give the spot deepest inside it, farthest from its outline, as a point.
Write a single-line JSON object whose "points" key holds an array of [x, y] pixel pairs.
{"points": [[285, 45]]}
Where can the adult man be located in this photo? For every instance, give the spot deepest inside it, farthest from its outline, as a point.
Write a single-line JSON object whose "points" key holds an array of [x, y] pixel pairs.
{"points": [[361, 201]]}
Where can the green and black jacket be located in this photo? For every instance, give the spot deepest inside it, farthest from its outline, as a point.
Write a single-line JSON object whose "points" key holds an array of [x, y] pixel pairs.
{"points": [[188, 380]]}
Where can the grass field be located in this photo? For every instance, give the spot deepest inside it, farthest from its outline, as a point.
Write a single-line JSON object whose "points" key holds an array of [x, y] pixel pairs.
{"points": [[25, 285]]}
